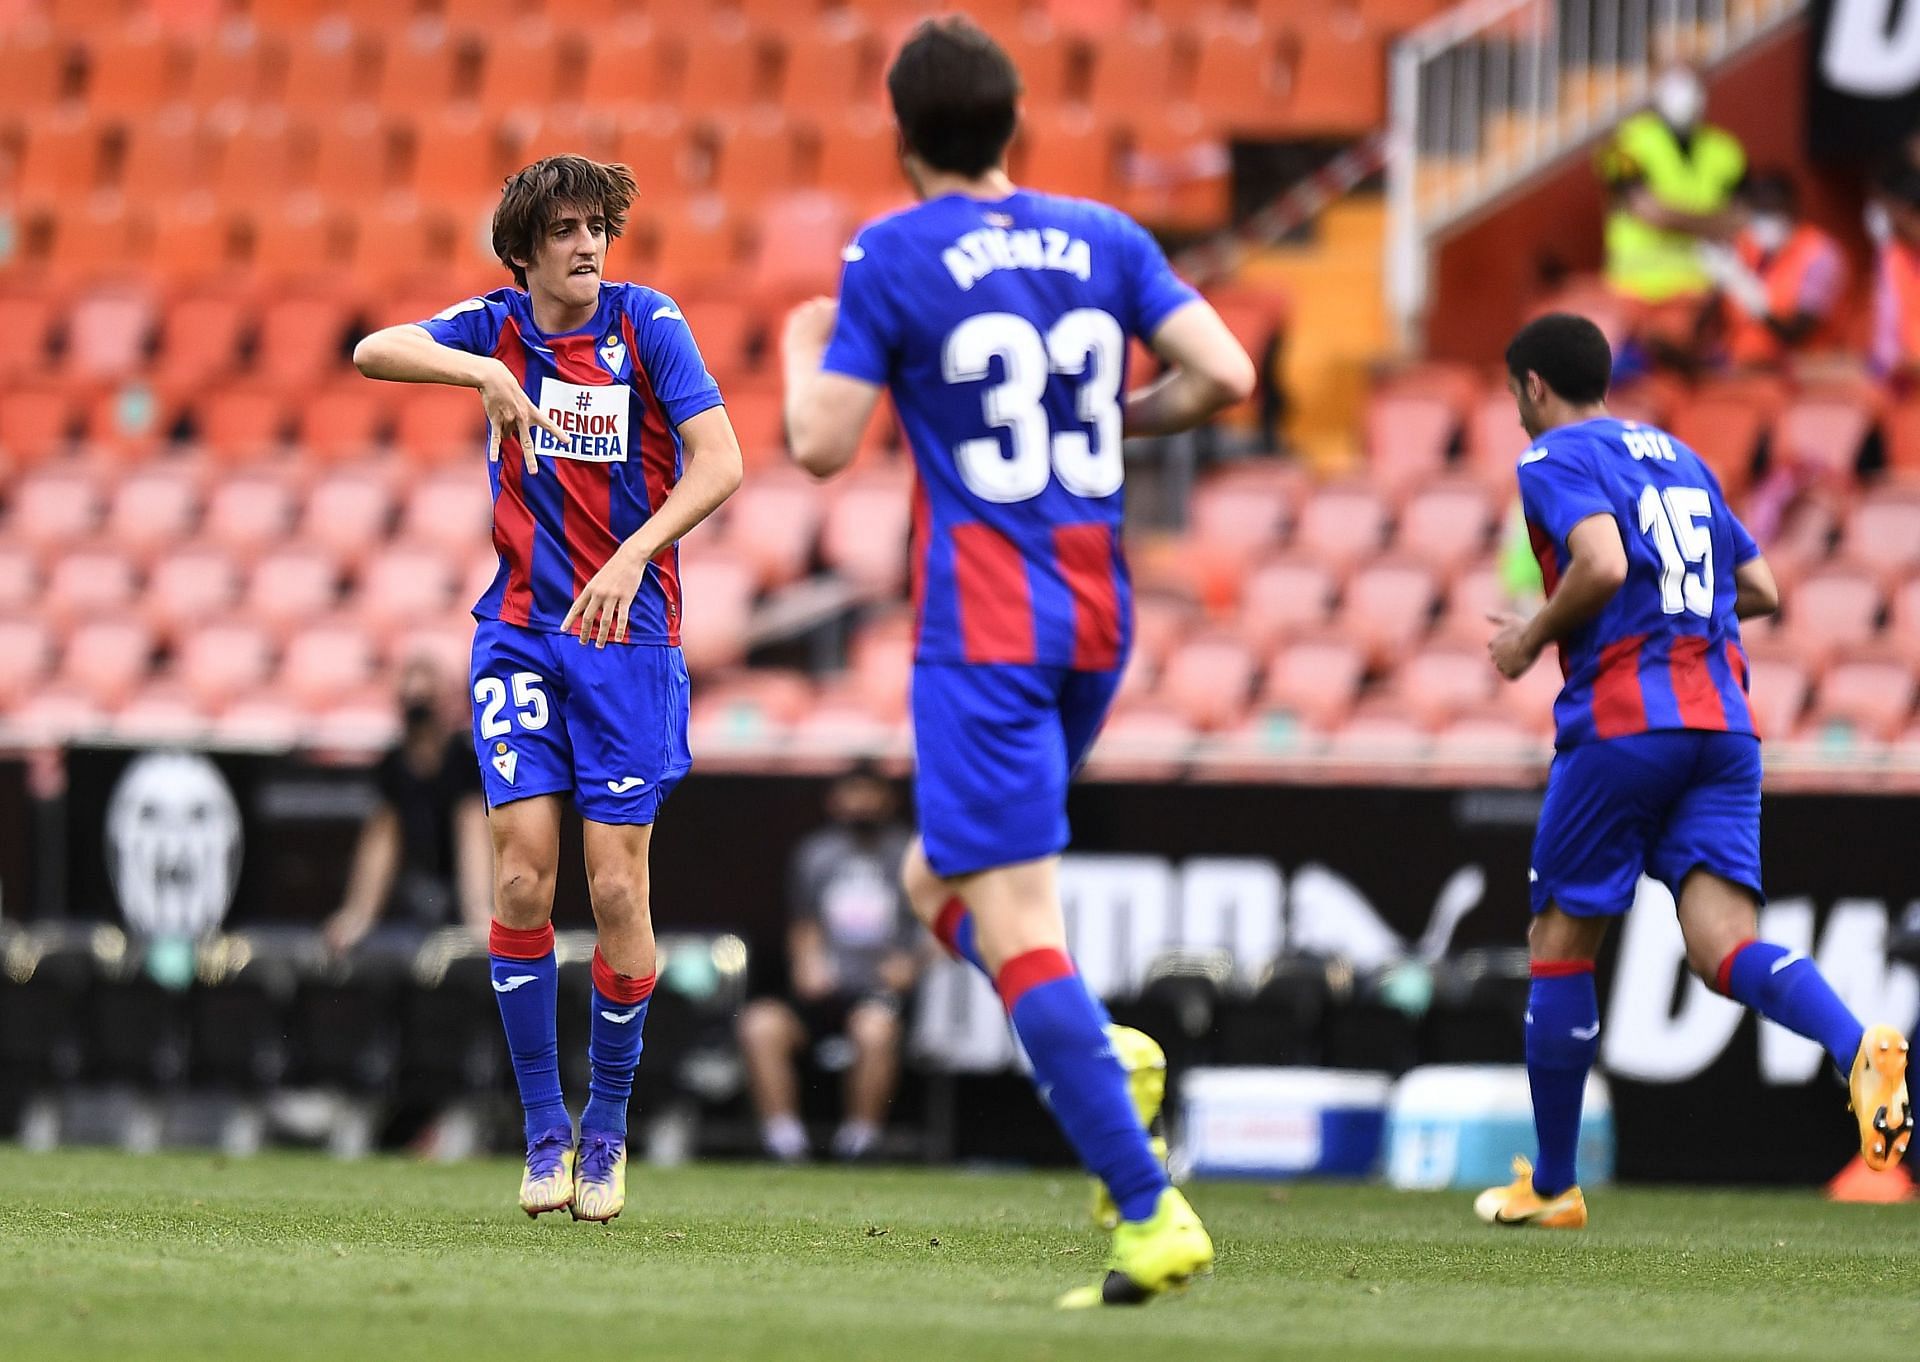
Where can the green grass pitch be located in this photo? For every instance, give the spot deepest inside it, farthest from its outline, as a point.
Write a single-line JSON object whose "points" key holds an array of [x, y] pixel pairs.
{"points": [[166, 1257]]}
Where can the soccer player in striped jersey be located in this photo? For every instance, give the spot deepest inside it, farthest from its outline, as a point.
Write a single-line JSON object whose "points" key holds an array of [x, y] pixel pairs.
{"points": [[999, 318], [1657, 770], [607, 441]]}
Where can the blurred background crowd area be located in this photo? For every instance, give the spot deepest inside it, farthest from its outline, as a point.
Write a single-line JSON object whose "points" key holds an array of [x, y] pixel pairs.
{"points": [[212, 529]]}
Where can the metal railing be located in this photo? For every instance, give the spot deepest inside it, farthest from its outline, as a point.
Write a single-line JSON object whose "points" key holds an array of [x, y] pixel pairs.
{"points": [[1486, 94]]}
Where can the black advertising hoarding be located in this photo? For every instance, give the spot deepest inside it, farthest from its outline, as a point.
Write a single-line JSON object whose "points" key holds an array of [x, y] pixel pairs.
{"points": [[1863, 96], [17, 813], [1367, 873]]}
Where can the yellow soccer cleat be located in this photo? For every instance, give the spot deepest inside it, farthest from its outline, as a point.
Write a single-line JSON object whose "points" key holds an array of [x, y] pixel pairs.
{"points": [[1146, 1067], [600, 1188], [548, 1184], [1150, 1257], [1518, 1204], [1879, 1088]]}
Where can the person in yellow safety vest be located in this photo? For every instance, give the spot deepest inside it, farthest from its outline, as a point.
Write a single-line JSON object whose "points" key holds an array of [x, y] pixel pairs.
{"points": [[1673, 178], [1893, 220], [1780, 285]]}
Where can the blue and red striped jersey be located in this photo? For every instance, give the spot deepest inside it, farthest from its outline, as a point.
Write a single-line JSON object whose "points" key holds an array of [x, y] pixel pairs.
{"points": [[1001, 329], [621, 386], [1665, 652]]}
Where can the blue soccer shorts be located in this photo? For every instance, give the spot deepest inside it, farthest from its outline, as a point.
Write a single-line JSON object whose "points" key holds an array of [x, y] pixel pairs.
{"points": [[994, 749], [552, 715], [1660, 804]]}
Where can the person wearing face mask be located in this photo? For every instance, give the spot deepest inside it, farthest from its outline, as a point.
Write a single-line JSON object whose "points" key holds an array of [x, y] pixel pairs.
{"points": [[424, 859], [1781, 283], [1893, 220], [1673, 177], [854, 950]]}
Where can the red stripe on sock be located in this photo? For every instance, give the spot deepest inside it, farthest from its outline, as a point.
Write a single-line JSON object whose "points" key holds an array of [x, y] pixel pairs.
{"points": [[1026, 972], [533, 944], [1560, 969], [620, 988], [1723, 977], [946, 926]]}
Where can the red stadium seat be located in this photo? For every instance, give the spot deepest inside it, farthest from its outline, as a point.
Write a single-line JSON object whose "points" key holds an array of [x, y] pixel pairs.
{"points": [[247, 514], [1477, 592], [263, 152], [61, 159], [866, 531], [449, 512], [436, 424], [773, 522], [402, 586], [239, 424], [1342, 525], [344, 420], [152, 508], [1209, 679], [881, 664], [1443, 681], [347, 512], [1160, 623], [1141, 742], [165, 154], [100, 239], [90, 583], [26, 656], [1778, 684], [34, 56], [35, 423], [323, 661], [1234, 521], [19, 578], [190, 586], [1903, 620], [1283, 598], [301, 341], [217, 663], [26, 332], [1883, 532], [107, 660], [1834, 607], [717, 590], [801, 238], [200, 339], [1387, 608], [1407, 438], [1446, 526], [1377, 731], [1487, 736], [1901, 427], [53, 507], [292, 587], [1870, 693], [301, 239], [1823, 434], [131, 71], [1495, 442], [1315, 679]]}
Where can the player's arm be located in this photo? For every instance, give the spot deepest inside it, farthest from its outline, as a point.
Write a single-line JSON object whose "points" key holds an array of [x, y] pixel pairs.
{"points": [[1756, 593], [409, 354], [713, 471], [376, 859], [1207, 372], [826, 413], [812, 969], [1596, 569], [473, 864]]}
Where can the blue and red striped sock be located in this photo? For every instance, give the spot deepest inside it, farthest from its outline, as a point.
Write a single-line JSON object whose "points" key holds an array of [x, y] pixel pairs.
{"points": [[1079, 1078], [613, 1045], [1563, 1040], [954, 929], [526, 984], [1784, 986]]}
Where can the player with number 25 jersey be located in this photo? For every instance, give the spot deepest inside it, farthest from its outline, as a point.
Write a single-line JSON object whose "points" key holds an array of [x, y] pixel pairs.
{"points": [[1657, 773]]}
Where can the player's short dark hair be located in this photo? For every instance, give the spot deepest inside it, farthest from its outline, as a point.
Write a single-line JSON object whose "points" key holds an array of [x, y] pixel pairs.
{"points": [[1570, 354], [956, 96], [532, 198]]}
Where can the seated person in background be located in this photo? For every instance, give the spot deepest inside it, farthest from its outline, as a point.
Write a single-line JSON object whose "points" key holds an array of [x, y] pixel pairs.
{"points": [[424, 859], [1895, 227], [1781, 284], [854, 952]]}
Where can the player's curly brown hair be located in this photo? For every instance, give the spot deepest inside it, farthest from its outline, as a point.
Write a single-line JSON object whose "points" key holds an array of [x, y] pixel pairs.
{"points": [[533, 197]]}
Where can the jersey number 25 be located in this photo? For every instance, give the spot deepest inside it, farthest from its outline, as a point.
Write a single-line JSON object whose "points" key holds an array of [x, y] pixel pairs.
{"points": [[1085, 342]]}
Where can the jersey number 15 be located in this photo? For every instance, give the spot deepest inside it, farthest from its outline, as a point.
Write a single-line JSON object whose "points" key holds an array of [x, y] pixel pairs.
{"points": [[1677, 523], [1085, 342]]}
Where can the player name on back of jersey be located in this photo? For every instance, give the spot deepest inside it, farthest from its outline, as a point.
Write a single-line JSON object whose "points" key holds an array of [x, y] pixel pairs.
{"points": [[595, 419], [986, 249]]}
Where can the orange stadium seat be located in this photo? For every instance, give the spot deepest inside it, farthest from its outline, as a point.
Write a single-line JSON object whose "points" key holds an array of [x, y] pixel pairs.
{"points": [[655, 145], [26, 332], [1900, 424], [1283, 598], [865, 534], [450, 511], [419, 71], [434, 424], [241, 423], [189, 586], [1342, 525], [343, 420], [1407, 437], [1132, 71], [192, 241], [1338, 74], [1778, 684], [165, 155], [324, 660], [1442, 681], [772, 524], [218, 663], [328, 67], [727, 329], [857, 155], [403, 586], [621, 72], [453, 153], [719, 68], [829, 66], [232, 66], [520, 71], [291, 587], [301, 340], [101, 239], [34, 424], [301, 238], [1870, 692], [1315, 679], [696, 250], [1446, 525], [26, 655], [718, 591], [247, 514], [754, 159], [1238, 77], [1387, 608], [90, 583], [34, 57], [800, 241], [1174, 171], [1209, 680], [261, 153], [354, 153], [51, 507], [348, 511], [200, 339], [132, 71], [1834, 607], [107, 660], [1883, 531], [152, 508]]}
